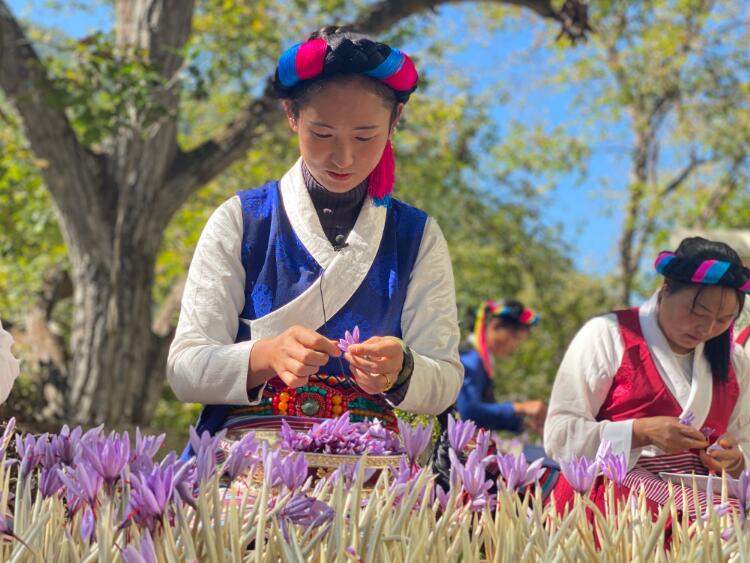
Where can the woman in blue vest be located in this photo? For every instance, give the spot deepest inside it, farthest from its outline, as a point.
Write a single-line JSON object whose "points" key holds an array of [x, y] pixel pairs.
{"points": [[499, 329], [282, 272]]}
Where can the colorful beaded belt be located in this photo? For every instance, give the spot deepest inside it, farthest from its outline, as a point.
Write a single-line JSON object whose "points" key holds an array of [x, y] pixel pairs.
{"points": [[324, 396]]}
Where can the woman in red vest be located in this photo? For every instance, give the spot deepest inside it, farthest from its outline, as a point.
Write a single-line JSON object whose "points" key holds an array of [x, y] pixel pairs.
{"points": [[663, 382]]}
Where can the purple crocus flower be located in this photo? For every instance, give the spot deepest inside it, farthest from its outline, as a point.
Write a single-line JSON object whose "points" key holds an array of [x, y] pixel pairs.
{"points": [[306, 511], [460, 433], [687, 419], [416, 439], [580, 473], [517, 472], [242, 456], [82, 483], [290, 470], [473, 482], [145, 552], [613, 466], [50, 482], [707, 431], [292, 440], [350, 338], [740, 489], [108, 456], [28, 452], [150, 496], [484, 437], [716, 446], [146, 447], [65, 446], [185, 475], [442, 496], [88, 525], [720, 509], [205, 447]]}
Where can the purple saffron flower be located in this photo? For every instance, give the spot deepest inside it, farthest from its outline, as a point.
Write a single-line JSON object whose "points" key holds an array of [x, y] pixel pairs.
{"points": [[66, 445], [740, 489], [306, 511], [348, 472], [442, 496], [716, 446], [416, 439], [292, 440], [185, 475], [242, 456], [580, 473], [483, 440], [613, 466], [687, 419], [50, 482], [349, 339], [473, 482], [460, 433], [150, 496], [707, 431], [720, 509], [88, 525], [108, 456], [146, 447], [517, 472], [28, 452], [145, 552], [82, 483], [205, 447], [291, 470]]}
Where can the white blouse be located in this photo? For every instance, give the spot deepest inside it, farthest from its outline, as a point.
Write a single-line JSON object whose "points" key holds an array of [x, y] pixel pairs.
{"points": [[585, 377], [8, 365], [205, 365]]}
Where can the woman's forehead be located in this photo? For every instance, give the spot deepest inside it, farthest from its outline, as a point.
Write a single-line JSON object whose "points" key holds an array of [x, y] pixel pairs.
{"points": [[716, 300]]}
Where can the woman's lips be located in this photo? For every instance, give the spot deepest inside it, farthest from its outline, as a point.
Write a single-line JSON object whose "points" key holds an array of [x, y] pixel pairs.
{"points": [[337, 176]]}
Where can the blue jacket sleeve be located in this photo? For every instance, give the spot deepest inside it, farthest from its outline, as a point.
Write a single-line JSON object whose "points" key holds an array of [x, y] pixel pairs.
{"points": [[493, 416]]}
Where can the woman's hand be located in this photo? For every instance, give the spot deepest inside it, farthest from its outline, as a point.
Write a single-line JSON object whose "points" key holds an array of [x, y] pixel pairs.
{"points": [[729, 459], [376, 363], [535, 413], [667, 434], [294, 355]]}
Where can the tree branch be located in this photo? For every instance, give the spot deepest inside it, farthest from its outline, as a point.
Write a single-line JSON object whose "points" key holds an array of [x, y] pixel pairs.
{"points": [[193, 169], [71, 173], [693, 164], [721, 193]]}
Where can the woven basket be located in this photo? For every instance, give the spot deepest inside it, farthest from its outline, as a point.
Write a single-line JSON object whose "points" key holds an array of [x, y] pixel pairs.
{"points": [[319, 464]]}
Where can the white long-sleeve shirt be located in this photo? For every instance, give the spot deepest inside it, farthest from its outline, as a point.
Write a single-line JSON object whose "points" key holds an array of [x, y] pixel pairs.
{"points": [[585, 377], [205, 365], [8, 365]]}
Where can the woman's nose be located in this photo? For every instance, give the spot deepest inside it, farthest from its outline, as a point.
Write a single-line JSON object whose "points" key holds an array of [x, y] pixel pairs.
{"points": [[342, 156]]}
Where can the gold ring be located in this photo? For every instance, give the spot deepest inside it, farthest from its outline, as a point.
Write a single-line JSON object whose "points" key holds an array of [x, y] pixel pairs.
{"points": [[388, 383]]}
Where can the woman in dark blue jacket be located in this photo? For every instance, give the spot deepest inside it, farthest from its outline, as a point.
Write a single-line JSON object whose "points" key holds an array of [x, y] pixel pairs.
{"points": [[499, 329]]}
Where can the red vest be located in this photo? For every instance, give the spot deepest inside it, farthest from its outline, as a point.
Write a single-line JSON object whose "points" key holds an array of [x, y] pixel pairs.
{"points": [[744, 336], [638, 390]]}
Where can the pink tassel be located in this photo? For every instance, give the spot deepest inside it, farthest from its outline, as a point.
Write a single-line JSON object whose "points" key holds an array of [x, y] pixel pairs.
{"points": [[383, 176]]}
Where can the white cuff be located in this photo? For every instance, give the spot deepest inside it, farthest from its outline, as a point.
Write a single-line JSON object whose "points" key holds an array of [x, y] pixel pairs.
{"points": [[620, 437]]}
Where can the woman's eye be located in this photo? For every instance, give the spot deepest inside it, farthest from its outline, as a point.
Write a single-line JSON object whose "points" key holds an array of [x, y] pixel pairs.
{"points": [[322, 135], [365, 139]]}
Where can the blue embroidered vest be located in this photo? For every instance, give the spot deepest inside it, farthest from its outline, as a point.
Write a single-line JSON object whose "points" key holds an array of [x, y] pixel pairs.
{"points": [[278, 268]]}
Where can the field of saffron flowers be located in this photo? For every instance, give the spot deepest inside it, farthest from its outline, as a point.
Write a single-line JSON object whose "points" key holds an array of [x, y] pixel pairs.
{"points": [[92, 496]]}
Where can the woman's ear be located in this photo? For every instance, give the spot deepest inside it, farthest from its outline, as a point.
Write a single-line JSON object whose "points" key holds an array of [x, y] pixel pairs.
{"points": [[396, 119], [290, 117]]}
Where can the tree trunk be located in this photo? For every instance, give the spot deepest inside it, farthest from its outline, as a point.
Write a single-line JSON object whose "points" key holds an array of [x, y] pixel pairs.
{"points": [[111, 371]]}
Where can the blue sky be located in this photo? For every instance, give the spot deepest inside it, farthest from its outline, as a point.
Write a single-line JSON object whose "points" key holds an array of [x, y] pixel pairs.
{"points": [[588, 213]]}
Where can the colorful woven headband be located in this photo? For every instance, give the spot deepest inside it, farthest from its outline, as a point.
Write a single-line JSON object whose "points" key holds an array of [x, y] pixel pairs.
{"points": [[521, 315], [709, 272], [317, 57]]}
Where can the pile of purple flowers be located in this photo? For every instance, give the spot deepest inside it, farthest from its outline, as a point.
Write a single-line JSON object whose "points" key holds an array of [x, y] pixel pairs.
{"points": [[341, 436]]}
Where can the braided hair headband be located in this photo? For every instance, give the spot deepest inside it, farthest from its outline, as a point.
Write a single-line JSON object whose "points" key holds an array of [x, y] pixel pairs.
{"points": [[708, 272], [319, 58], [492, 309]]}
